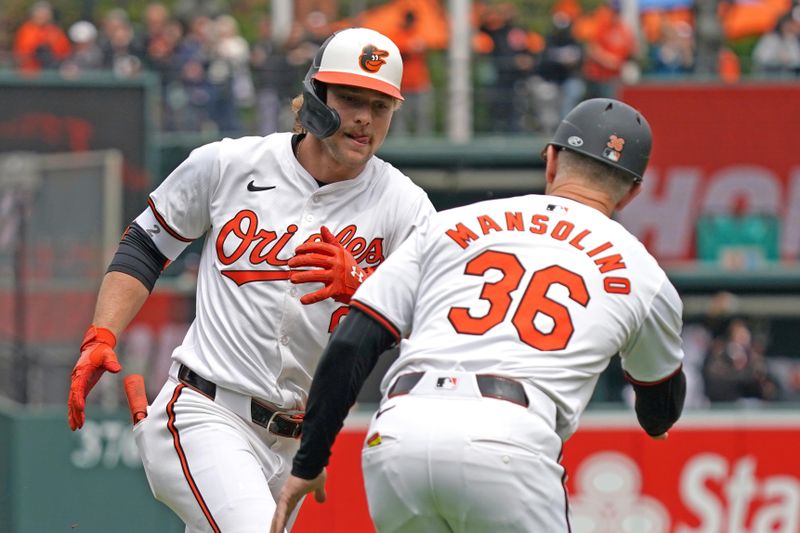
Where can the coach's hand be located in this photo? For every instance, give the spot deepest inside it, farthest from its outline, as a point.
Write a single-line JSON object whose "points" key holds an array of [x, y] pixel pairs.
{"points": [[97, 356], [294, 489], [334, 266]]}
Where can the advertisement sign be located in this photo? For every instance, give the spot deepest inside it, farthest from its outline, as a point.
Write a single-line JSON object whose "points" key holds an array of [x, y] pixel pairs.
{"points": [[717, 149], [726, 473]]}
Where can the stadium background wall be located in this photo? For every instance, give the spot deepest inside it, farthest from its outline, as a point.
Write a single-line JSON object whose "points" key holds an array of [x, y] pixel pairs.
{"points": [[719, 471]]}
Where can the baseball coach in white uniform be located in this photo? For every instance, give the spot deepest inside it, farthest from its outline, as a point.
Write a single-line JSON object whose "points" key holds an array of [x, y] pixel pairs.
{"points": [[293, 223], [506, 313]]}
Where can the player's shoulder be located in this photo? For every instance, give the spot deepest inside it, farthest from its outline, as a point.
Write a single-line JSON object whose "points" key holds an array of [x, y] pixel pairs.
{"points": [[230, 147], [255, 153]]}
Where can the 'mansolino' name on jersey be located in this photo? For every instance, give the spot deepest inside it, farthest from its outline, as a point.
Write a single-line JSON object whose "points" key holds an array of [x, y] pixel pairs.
{"points": [[562, 230]]}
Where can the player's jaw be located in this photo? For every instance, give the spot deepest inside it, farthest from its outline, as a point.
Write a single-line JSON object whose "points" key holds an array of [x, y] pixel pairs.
{"points": [[349, 152], [353, 145]]}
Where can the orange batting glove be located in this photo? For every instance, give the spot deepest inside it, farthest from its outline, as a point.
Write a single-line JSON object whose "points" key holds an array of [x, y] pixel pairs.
{"points": [[334, 266], [97, 356]]}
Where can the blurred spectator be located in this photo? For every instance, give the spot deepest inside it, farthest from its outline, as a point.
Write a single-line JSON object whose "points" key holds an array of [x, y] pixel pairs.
{"points": [[301, 46], [118, 45], [191, 112], [610, 47], [229, 72], [6, 44], [558, 85], [86, 55], [186, 10], [787, 374], [672, 54], [317, 28], [157, 40], [696, 340], [40, 43], [513, 63], [736, 368], [416, 113], [709, 39], [730, 68], [157, 44], [777, 53], [276, 81]]}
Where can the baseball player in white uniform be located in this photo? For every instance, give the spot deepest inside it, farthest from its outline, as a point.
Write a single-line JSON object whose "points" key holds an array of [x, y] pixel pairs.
{"points": [[506, 313], [292, 225]]}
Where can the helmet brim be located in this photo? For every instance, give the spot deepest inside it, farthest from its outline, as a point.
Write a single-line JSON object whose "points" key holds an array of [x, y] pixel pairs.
{"points": [[354, 80]]}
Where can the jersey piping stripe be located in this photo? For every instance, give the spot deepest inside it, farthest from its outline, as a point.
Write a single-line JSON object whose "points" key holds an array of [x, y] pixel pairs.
{"points": [[653, 383], [164, 222], [182, 457], [564, 486], [382, 320]]}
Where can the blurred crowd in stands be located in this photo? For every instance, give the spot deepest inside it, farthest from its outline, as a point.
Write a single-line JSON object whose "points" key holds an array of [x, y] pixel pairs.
{"points": [[211, 76], [726, 358]]}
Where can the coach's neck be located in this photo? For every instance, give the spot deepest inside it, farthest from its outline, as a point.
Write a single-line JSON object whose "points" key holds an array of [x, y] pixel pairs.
{"points": [[582, 188], [579, 192]]}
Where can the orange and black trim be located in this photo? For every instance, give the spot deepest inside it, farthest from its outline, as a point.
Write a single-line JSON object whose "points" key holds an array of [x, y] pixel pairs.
{"points": [[382, 320], [163, 222], [176, 439]]}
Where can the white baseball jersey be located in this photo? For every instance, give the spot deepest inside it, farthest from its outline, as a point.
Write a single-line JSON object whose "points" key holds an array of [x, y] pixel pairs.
{"points": [[539, 288], [255, 204]]}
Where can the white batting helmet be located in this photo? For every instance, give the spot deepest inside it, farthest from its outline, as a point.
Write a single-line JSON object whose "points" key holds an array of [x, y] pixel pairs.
{"points": [[358, 57], [363, 58]]}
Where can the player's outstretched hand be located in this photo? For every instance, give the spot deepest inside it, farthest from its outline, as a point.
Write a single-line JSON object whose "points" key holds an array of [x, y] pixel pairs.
{"points": [[332, 265], [97, 356], [294, 489]]}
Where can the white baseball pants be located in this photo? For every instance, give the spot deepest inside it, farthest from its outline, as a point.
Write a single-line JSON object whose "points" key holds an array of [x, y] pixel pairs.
{"points": [[450, 460], [217, 471]]}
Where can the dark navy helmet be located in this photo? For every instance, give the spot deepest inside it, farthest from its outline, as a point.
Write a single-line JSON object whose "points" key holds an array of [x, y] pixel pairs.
{"points": [[610, 131]]}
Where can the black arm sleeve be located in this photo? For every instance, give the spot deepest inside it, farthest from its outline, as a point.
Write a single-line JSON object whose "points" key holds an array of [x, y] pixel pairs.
{"points": [[138, 256], [659, 405], [346, 362]]}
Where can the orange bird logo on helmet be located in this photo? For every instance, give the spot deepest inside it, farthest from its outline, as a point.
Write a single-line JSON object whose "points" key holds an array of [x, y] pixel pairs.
{"points": [[371, 58]]}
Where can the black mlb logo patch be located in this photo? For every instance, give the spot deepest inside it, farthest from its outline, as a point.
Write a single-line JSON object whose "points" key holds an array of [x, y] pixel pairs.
{"points": [[447, 383], [560, 209]]}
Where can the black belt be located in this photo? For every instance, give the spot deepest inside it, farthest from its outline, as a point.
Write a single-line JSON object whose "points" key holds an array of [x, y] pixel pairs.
{"points": [[490, 386], [282, 424]]}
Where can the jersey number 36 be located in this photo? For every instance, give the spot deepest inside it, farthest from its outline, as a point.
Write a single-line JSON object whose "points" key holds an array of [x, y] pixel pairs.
{"points": [[534, 300]]}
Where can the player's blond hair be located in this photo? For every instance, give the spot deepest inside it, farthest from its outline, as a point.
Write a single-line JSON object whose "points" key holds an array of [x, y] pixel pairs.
{"points": [[297, 103]]}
